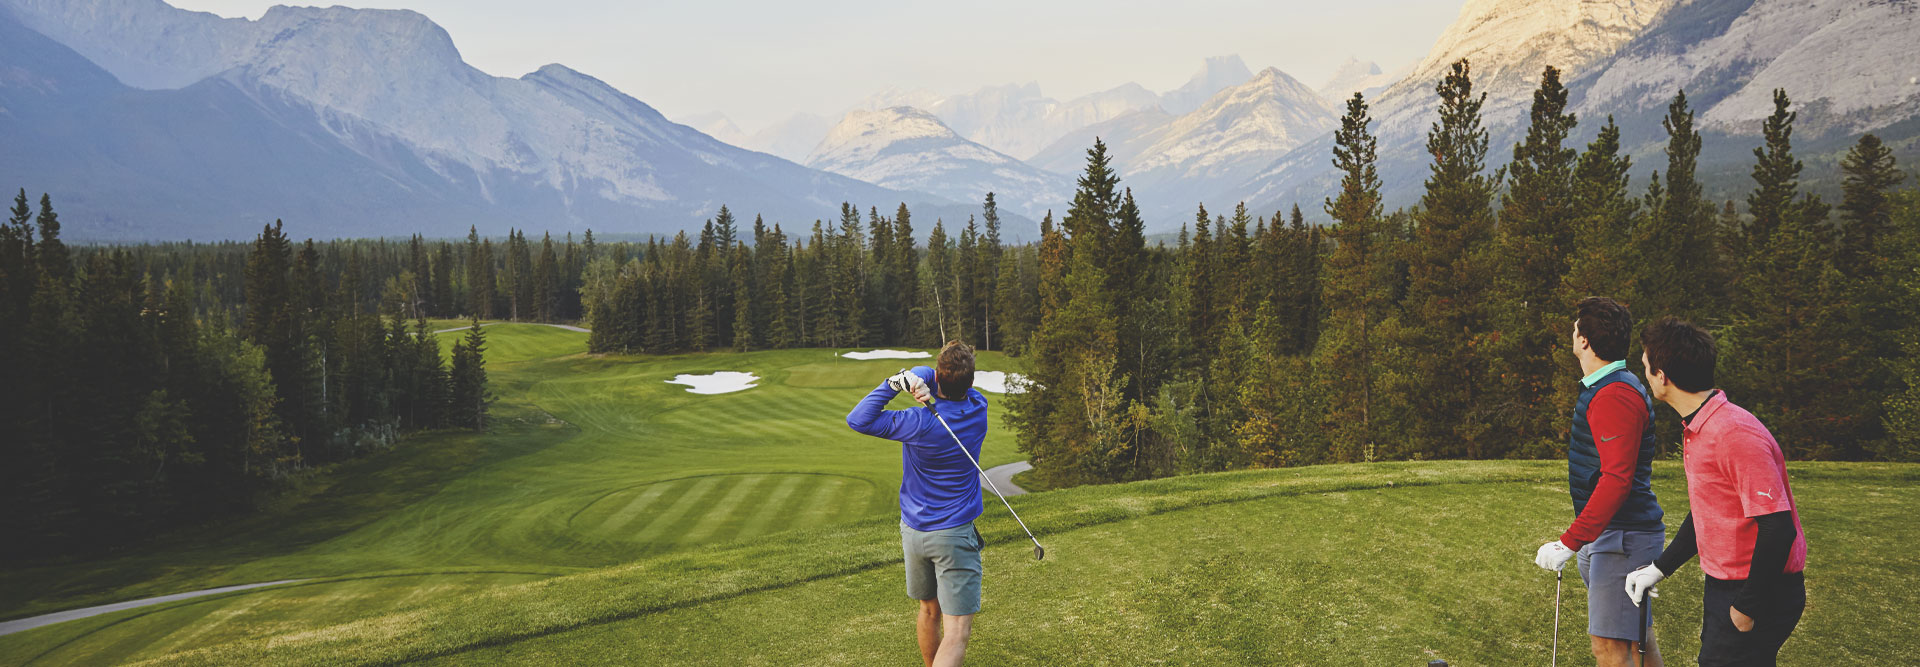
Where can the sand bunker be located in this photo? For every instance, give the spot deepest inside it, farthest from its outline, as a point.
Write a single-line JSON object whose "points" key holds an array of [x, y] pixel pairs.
{"points": [[716, 383], [996, 382], [886, 354]]}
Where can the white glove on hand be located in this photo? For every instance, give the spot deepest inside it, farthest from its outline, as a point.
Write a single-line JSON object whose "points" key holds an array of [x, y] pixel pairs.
{"points": [[1641, 581], [911, 383], [1552, 556]]}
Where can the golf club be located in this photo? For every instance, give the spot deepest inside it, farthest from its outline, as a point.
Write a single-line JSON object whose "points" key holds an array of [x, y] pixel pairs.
{"points": [[1646, 613], [1039, 552], [1556, 618]]}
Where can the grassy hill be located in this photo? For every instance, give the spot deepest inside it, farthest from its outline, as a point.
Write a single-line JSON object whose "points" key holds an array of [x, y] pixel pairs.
{"points": [[522, 546], [592, 461]]}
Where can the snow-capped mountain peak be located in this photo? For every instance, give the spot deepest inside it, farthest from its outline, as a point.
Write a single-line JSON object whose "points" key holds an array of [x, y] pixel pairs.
{"points": [[907, 148]]}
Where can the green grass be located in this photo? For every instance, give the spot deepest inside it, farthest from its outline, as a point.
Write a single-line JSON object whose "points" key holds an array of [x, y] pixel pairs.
{"points": [[592, 461], [609, 518], [1387, 564]]}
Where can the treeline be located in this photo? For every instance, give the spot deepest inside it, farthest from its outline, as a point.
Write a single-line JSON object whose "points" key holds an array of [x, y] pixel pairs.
{"points": [[1442, 330], [153, 386], [852, 284]]}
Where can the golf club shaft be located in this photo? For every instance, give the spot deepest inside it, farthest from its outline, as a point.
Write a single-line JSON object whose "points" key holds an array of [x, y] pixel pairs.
{"points": [[1556, 618], [983, 471], [983, 475]]}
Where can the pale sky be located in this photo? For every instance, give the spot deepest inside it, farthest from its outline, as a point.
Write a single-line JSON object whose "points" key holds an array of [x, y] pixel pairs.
{"points": [[759, 62]]}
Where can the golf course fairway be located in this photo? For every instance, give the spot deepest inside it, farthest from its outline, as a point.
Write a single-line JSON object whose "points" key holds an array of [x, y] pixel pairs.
{"points": [[611, 518]]}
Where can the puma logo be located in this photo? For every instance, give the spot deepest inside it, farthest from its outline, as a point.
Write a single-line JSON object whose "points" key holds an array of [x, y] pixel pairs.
{"points": [[1609, 439], [1768, 495]]}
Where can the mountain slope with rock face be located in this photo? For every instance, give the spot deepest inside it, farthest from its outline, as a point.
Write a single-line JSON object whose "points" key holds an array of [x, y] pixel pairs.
{"points": [[388, 88], [910, 149], [1845, 63]]}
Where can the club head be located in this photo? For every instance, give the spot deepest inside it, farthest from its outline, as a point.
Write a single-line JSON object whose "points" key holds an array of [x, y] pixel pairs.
{"points": [[1039, 552]]}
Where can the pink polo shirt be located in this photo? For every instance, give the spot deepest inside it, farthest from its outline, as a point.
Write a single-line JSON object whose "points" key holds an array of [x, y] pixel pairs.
{"points": [[1735, 472]]}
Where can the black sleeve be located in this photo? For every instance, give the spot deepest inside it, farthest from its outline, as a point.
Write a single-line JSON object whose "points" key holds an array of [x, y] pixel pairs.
{"points": [[1771, 547], [1682, 549]]}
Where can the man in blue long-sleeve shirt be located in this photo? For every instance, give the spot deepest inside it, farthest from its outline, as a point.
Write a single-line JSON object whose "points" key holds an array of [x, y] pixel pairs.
{"points": [[939, 493]]}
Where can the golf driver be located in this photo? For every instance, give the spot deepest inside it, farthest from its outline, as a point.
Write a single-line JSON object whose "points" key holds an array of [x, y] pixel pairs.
{"points": [[1039, 552]]}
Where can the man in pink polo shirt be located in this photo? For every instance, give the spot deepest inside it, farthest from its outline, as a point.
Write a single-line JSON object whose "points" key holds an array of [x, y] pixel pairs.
{"points": [[1743, 524]]}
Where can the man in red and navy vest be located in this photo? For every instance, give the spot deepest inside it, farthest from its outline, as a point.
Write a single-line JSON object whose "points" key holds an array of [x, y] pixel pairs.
{"points": [[1617, 520], [1743, 523]]}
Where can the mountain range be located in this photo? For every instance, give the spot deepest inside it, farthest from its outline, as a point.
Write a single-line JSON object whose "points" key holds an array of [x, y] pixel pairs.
{"points": [[152, 122]]}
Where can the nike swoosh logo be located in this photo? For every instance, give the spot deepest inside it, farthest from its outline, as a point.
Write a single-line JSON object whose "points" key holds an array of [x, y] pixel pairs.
{"points": [[1610, 439]]}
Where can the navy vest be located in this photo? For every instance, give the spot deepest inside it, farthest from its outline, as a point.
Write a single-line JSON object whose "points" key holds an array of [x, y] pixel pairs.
{"points": [[1641, 510]]}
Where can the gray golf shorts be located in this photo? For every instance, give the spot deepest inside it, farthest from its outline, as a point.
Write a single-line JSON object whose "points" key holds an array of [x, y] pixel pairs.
{"points": [[944, 564], [1604, 566]]}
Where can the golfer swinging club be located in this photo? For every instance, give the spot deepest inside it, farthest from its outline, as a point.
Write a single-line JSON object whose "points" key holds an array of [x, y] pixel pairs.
{"points": [[1610, 474], [1743, 522], [939, 494]]}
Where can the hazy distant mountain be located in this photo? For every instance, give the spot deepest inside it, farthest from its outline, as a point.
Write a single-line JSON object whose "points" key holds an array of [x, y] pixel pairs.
{"points": [[1219, 73], [350, 122], [719, 126], [909, 149], [792, 138], [1847, 64], [1126, 138], [1226, 141], [1016, 119], [1356, 76]]}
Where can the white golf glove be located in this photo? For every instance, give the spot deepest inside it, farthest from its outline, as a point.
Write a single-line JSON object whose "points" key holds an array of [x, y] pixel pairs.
{"points": [[911, 383], [1640, 581], [1552, 556]]}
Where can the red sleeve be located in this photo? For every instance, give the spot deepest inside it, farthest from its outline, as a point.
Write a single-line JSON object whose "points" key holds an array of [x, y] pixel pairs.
{"points": [[1618, 416], [1753, 461]]}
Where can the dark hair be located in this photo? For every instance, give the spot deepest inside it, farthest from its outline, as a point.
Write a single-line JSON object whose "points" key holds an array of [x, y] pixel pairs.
{"points": [[954, 370], [1606, 324], [1682, 350]]}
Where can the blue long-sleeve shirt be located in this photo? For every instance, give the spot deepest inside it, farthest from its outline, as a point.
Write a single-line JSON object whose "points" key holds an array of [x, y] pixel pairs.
{"points": [[939, 487]]}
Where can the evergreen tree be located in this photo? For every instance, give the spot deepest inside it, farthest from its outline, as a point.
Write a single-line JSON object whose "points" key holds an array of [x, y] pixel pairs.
{"points": [[1677, 233], [1445, 333], [480, 276], [1599, 262], [1357, 290], [442, 282], [1902, 401], [546, 282], [1795, 349], [1868, 173], [743, 331], [1534, 242], [467, 382]]}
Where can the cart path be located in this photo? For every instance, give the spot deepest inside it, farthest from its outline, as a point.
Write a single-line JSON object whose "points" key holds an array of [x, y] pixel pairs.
{"points": [[1002, 477], [568, 327], [19, 625]]}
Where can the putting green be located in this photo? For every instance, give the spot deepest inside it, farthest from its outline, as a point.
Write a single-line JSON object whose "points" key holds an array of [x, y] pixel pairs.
{"points": [[591, 461]]}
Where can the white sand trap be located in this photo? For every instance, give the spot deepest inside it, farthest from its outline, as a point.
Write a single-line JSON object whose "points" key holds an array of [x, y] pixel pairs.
{"points": [[886, 354], [996, 382], [716, 383]]}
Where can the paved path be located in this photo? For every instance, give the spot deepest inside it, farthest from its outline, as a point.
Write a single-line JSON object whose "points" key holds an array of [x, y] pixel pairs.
{"points": [[1002, 477], [568, 327], [11, 627]]}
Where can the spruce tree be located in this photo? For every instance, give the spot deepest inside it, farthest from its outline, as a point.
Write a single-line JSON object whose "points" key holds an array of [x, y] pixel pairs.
{"points": [[743, 331], [546, 282], [1446, 328], [1796, 348], [467, 381], [1532, 252], [1677, 234], [1357, 290]]}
